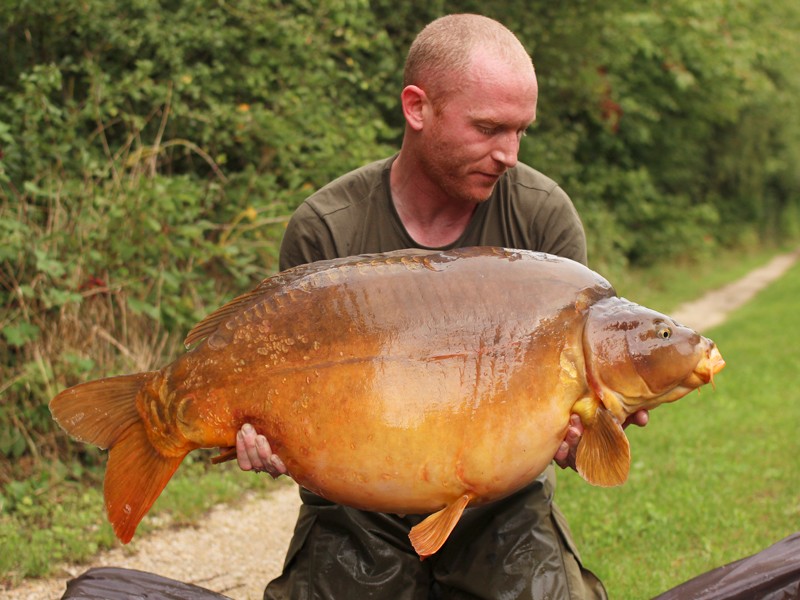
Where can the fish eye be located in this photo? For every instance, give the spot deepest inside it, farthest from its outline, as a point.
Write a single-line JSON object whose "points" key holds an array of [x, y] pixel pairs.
{"points": [[664, 333]]}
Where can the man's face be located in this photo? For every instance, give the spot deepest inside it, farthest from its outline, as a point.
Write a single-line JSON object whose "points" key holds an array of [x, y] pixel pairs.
{"points": [[475, 137]]}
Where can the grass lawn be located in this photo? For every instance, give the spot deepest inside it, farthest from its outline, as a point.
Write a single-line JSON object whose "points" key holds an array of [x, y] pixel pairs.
{"points": [[716, 476]]}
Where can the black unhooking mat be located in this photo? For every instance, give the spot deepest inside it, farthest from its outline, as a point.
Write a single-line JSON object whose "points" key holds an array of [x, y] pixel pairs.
{"points": [[112, 583], [772, 574]]}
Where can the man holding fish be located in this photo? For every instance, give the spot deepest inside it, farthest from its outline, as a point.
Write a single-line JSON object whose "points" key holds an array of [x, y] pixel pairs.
{"points": [[469, 94]]}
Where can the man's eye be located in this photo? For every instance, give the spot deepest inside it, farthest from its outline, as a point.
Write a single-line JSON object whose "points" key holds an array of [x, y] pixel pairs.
{"points": [[491, 130]]}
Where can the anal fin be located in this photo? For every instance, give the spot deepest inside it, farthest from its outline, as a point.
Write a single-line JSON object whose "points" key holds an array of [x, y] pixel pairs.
{"points": [[429, 535], [604, 453]]}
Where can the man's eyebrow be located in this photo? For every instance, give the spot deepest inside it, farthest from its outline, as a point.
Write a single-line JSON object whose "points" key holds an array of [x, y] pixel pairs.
{"points": [[487, 121], [495, 124]]}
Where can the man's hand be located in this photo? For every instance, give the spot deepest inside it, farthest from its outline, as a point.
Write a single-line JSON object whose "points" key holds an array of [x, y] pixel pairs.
{"points": [[254, 454], [565, 456]]}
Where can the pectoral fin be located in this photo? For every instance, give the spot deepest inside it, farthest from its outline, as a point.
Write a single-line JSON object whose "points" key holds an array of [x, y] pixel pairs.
{"points": [[429, 535], [604, 454]]}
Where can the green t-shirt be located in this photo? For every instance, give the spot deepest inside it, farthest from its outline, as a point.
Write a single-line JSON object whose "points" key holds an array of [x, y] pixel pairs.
{"points": [[355, 215]]}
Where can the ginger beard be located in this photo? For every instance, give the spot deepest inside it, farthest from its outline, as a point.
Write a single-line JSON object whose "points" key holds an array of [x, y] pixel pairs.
{"points": [[461, 172]]}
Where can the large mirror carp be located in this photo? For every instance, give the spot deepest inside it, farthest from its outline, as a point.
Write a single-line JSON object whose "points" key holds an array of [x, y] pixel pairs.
{"points": [[409, 382]]}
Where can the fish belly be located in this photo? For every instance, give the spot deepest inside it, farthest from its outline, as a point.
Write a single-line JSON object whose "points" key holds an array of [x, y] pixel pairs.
{"points": [[398, 435], [398, 389]]}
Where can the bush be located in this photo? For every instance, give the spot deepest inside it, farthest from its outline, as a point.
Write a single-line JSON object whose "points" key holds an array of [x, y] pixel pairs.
{"points": [[151, 151]]}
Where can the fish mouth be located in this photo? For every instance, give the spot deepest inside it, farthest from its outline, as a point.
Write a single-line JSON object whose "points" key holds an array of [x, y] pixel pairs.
{"points": [[641, 396], [708, 366]]}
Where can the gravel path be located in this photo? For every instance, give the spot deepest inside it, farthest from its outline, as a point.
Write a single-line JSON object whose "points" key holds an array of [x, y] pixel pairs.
{"points": [[218, 554]]}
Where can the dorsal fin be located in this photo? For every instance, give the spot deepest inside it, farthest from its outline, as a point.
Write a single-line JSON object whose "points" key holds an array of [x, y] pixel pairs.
{"points": [[224, 313], [285, 280], [266, 288]]}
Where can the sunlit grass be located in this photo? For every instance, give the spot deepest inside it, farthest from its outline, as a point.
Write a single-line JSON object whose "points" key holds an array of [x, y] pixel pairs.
{"points": [[716, 476]]}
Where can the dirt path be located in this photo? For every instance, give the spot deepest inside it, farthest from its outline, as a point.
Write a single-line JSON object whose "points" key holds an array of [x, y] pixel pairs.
{"points": [[711, 310], [219, 554]]}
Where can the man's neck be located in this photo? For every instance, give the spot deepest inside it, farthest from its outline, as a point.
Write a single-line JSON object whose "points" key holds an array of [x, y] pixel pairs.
{"points": [[430, 217]]}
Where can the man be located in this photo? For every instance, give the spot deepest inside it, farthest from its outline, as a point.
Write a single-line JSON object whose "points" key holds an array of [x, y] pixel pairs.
{"points": [[469, 94]]}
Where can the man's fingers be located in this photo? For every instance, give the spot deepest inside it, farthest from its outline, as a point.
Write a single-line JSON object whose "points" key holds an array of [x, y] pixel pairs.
{"points": [[277, 463], [242, 454], [562, 455], [268, 460], [640, 418], [253, 453], [565, 455]]}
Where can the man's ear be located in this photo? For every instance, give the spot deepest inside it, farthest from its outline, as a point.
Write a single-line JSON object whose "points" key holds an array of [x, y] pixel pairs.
{"points": [[415, 106]]}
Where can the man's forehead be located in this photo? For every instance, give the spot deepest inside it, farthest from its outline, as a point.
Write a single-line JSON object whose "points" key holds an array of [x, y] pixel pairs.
{"points": [[488, 65], [503, 79]]}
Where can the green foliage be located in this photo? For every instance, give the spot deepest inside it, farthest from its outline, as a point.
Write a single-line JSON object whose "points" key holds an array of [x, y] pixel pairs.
{"points": [[151, 153], [669, 124], [714, 476], [197, 86]]}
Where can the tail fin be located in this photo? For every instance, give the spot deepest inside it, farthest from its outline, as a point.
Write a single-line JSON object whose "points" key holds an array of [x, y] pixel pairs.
{"points": [[104, 413], [98, 412], [135, 476]]}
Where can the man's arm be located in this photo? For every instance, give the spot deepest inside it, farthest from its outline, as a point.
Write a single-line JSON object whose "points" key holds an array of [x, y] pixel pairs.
{"points": [[560, 230]]}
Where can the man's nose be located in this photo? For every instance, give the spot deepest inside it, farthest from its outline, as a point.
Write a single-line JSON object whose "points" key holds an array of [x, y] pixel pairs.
{"points": [[506, 149]]}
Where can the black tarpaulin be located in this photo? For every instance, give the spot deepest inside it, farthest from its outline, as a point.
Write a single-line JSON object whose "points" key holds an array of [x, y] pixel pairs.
{"points": [[113, 583], [772, 574]]}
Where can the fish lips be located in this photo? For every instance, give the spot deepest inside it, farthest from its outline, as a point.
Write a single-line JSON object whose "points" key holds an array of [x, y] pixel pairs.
{"points": [[708, 366]]}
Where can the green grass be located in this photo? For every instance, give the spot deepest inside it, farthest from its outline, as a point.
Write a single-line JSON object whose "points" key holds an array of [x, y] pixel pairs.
{"points": [[716, 476]]}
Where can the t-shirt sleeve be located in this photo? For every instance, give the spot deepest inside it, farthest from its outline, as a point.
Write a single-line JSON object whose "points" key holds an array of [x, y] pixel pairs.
{"points": [[307, 239], [562, 232]]}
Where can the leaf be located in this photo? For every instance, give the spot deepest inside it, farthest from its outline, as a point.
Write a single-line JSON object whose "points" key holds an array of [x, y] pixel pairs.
{"points": [[143, 307], [55, 297], [21, 333], [48, 265]]}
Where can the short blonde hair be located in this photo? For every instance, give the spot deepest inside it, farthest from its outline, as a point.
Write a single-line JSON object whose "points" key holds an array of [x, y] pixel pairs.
{"points": [[439, 57]]}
